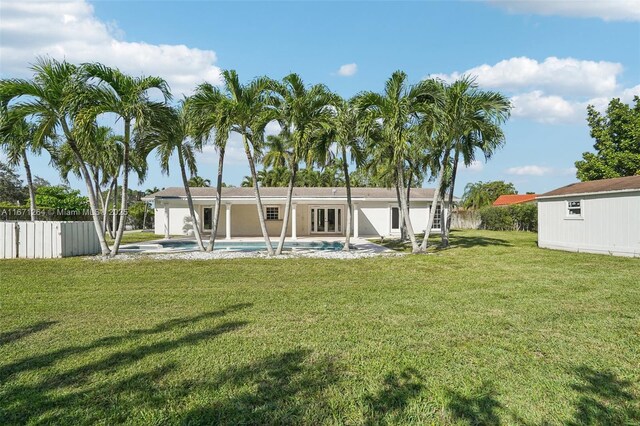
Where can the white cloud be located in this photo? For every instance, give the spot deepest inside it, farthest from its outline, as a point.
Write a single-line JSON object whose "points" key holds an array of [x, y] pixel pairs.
{"points": [[531, 170], [546, 109], [560, 75], [555, 90], [347, 70], [70, 30], [608, 10], [475, 166]]}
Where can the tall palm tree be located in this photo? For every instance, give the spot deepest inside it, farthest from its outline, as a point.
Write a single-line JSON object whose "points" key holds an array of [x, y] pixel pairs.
{"points": [[400, 108], [348, 135], [300, 112], [277, 152], [239, 108], [473, 120], [176, 139], [17, 140], [53, 99], [128, 98], [481, 130], [211, 114]]}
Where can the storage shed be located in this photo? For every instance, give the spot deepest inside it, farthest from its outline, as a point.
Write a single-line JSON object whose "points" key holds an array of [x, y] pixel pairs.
{"points": [[601, 216]]}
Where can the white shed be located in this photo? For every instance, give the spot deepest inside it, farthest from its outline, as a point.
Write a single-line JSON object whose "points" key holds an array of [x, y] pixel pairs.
{"points": [[601, 216]]}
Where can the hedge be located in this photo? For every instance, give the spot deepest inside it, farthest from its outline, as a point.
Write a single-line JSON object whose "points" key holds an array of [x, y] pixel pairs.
{"points": [[517, 217]]}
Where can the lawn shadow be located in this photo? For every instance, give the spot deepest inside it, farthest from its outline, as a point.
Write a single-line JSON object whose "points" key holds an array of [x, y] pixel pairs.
{"points": [[280, 389], [391, 401], [604, 399], [12, 336], [56, 397], [476, 409], [461, 241], [47, 359]]}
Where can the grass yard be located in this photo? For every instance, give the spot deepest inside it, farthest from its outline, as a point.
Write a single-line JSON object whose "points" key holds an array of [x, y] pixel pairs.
{"points": [[491, 331], [136, 236]]}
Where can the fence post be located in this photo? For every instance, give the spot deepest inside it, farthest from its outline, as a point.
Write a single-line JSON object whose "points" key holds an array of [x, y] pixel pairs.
{"points": [[16, 233]]}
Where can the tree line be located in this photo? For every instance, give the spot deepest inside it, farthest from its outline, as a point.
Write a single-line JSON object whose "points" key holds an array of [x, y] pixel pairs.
{"points": [[396, 138]]}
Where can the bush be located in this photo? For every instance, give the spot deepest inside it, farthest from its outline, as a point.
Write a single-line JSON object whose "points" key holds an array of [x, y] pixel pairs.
{"points": [[518, 217], [136, 215]]}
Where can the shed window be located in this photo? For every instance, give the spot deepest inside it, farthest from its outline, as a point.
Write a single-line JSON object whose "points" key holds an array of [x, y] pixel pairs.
{"points": [[437, 219], [574, 209], [273, 213]]}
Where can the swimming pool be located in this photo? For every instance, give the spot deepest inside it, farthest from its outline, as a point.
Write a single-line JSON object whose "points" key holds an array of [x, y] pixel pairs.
{"points": [[243, 246]]}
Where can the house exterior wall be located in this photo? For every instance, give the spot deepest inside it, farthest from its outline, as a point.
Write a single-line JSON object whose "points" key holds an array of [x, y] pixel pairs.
{"points": [[609, 224], [374, 217]]}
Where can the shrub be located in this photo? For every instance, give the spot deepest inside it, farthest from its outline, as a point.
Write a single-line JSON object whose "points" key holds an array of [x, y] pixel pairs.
{"points": [[518, 217]]}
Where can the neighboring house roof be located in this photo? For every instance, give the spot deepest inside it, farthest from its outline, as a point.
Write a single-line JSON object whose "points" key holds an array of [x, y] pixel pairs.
{"points": [[507, 200], [629, 183], [298, 192]]}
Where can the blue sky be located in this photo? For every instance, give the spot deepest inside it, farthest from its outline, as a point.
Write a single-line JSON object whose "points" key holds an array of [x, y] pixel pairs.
{"points": [[551, 58]]}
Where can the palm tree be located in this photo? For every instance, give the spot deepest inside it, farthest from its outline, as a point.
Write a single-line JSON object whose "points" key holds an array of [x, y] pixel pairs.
{"points": [[300, 112], [18, 139], [54, 99], [348, 135], [485, 112], [176, 139], [198, 181], [400, 108], [472, 120], [239, 108], [210, 113], [128, 98], [277, 153]]}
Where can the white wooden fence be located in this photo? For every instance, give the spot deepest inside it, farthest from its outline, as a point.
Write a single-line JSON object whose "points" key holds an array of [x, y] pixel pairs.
{"points": [[44, 239]]}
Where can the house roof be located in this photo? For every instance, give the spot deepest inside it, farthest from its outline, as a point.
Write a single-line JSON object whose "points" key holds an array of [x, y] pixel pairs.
{"points": [[298, 192], [506, 200], [628, 183]]}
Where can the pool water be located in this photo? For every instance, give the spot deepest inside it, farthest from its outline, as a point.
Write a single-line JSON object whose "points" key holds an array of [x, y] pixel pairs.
{"points": [[244, 246]]}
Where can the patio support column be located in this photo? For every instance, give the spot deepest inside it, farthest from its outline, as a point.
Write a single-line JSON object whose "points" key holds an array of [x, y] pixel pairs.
{"points": [[294, 223], [355, 221], [228, 221], [166, 221]]}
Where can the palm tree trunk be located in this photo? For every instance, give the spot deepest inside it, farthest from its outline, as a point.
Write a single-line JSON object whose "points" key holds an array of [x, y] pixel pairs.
{"points": [[403, 227], [415, 248], [287, 207], [256, 190], [434, 203], [185, 182], [216, 213], [408, 195], [447, 227], [104, 248], [125, 187], [105, 212], [114, 214], [347, 183], [32, 193]]}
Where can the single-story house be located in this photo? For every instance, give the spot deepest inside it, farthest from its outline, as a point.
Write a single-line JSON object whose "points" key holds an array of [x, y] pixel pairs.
{"points": [[601, 216], [508, 200], [314, 212]]}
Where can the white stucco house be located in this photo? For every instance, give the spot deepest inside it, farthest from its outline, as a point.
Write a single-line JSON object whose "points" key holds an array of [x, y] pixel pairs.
{"points": [[600, 216], [315, 212]]}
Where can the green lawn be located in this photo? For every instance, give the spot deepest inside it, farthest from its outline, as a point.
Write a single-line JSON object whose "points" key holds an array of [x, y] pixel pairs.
{"points": [[491, 331], [136, 237]]}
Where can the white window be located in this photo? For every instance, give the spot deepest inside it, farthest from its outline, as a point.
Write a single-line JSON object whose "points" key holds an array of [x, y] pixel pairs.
{"points": [[574, 208], [272, 213]]}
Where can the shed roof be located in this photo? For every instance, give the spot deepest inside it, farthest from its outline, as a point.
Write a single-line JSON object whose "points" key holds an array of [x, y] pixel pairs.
{"points": [[298, 192], [507, 200], [595, 186]]}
